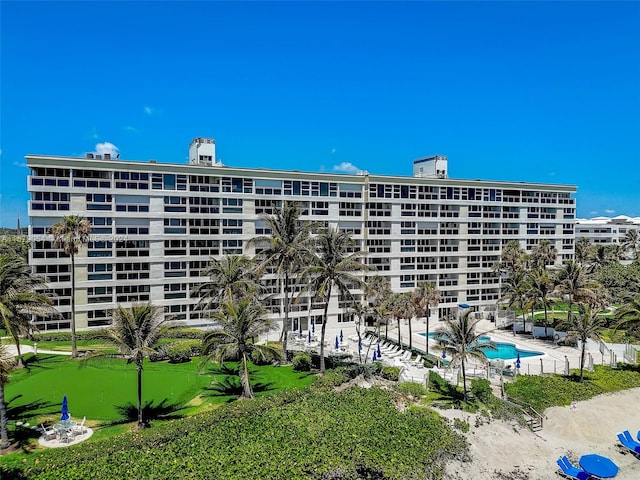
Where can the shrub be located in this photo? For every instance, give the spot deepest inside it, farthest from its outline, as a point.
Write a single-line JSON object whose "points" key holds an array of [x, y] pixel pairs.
{"points": [[461, 425], [355, 432], [412, 389], [180, 352], [390, 373], [481, 389], [302, 363], [330, 379]]}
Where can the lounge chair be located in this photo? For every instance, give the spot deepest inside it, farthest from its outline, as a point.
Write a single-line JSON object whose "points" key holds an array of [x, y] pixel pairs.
{"points": [[629, 443], [79, 429], [417, 362], [568, 470], [49, 433], [405, 357]]}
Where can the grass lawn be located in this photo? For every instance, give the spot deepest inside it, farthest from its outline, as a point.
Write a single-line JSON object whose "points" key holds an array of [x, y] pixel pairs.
{"points": [[94, 389]]}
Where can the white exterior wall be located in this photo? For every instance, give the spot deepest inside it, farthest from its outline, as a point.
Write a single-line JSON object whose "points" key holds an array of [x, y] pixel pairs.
{"points": [[408, 199]]}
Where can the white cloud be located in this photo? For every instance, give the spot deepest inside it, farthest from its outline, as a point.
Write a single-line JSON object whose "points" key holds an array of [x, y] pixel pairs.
{"points": [[149, 110], [20, 164], [348, 167], [130, 128], [333, 150], [593, 212], [107, 147], [94, 133], [609, 211], [0, 152]]}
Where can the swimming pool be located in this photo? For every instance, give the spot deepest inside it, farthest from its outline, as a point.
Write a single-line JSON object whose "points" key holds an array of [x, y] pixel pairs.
{"points": [[505, 351]]}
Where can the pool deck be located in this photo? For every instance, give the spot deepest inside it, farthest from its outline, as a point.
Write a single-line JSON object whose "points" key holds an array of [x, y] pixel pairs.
{"points": [[553, 358]]}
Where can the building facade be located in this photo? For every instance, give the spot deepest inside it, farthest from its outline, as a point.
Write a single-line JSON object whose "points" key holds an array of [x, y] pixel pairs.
{"points": [[606, 230], [156, 225]]}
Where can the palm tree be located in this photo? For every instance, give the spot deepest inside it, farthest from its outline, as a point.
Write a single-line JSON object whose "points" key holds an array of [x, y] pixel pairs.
{"points": [[516, 289], [379, 294], [631, 242], [629, 313], [335, 265], [70, 234], [20, 295], [512, 258], [230, 278], [6, 364], [426, 295], [585, 325], [544, 253], [572, 281], [461, 342], [401, 307], [541, 287], [290, 250], [239, 322], [135, 331], [583, 251]]}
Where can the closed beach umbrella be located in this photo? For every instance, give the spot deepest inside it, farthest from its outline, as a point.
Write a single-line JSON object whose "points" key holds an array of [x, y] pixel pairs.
{"points": [[374, 356], [341, 336], [309, 336], [379, 352], [360, 345], [300, 331], [518, 361], [65, 409], [313, 326], [337, 343]]}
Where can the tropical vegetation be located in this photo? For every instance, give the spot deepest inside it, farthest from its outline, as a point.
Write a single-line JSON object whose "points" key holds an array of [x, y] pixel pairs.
{"points": [[71, 234]]}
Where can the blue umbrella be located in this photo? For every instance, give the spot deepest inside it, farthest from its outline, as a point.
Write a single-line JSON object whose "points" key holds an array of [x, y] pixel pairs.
{"points": [[313, 326], [337, 343], [64, 410], [341, 336], [444, 355], [300, 331], [360, 345], [309, 336], [518, 361], [379, 352], [374, 356]]}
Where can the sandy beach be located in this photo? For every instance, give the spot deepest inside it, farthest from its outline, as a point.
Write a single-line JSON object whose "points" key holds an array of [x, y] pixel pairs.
{"points": [[503, 450]]}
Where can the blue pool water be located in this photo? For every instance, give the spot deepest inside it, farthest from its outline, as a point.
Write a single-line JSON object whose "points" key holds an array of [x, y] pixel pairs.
{"points": [[505, 351]]}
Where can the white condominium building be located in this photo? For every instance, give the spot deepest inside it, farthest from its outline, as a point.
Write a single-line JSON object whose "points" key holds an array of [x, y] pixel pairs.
{"points": [[606, 230], [156, 225]]}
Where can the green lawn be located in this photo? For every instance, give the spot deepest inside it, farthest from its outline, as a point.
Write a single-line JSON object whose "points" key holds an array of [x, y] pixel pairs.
{"points": [[96, 387]]}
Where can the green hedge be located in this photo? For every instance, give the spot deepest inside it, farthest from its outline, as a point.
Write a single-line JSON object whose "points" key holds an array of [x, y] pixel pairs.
{"points": [[542, 392], [358, 433]]}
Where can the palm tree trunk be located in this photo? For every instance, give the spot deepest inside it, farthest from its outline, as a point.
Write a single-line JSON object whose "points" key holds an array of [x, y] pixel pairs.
{"points": [[247, 392], [546, 320], [285, 323], [399, 335], [140, 420], [323, 329], [4, 434], [74, 347], [582, 355], [464, 381], [16, 339], [426, 349], [386, 329], [410, 342]]}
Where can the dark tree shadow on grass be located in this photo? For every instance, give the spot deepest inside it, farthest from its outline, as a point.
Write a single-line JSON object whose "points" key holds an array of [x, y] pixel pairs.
{"points": [[231, 386], [28, 410], [22, 437], [150, 411]]}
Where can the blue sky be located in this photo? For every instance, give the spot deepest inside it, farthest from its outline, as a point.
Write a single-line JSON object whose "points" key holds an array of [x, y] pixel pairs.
{"points": [[538, 92]]}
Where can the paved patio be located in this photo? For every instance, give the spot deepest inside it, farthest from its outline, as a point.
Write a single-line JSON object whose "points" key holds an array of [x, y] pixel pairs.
{"points": [[56, 443]]}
